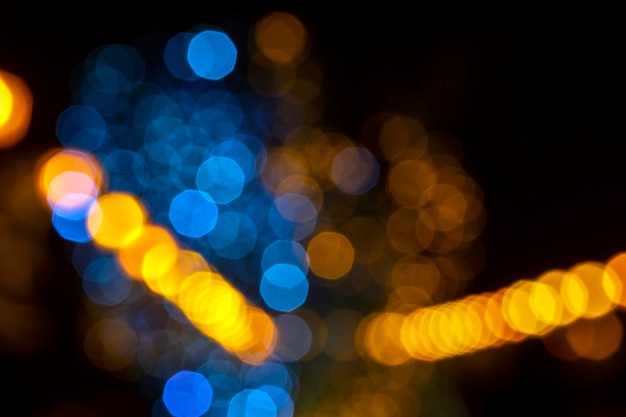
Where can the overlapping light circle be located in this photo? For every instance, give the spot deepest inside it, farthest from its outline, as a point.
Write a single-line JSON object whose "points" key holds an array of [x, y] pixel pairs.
{"points": [[170, 175]]}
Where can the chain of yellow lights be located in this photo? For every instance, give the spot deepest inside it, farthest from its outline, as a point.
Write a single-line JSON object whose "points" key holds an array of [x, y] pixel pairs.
{"points": [[71, 180], [527, 308]]}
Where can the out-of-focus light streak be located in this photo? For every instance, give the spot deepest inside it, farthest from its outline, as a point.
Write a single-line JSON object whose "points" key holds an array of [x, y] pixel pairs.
{"points": [[192, 158], [527, 308], [118, 221]]}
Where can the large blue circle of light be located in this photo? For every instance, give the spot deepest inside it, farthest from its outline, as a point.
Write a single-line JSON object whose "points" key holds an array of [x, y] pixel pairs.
{"points": [[284, 287], [211, 55], [251, 403], [238, 152], [193, 213], [221, 178], [187, 394]]}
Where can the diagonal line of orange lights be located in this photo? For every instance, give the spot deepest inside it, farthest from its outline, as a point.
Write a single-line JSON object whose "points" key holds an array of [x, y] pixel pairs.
{"points": [[527, 308], [70, 182]]}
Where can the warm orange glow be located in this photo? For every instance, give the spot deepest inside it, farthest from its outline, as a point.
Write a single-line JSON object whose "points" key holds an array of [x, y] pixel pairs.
{"points": [[111, 344], [217, 309], [67, 172], [617, 264], [545, 304], [601, 287], [418, 272], [526, 308], [487, 337], [222, 312], [596, 339], [407, 231], [408, 180], [320, 149], [446, 206], [354, 169], [116, 220], [6, 102], [555, 279], [281, 37], [302, 185], [282, 163], [150, 255], [519, 308], [495, 321], [574, 294], [415, 337], [16, 106], [402, 136], [260, 335], [72, 190], [187, 263], [381, 341], [330, 255]]}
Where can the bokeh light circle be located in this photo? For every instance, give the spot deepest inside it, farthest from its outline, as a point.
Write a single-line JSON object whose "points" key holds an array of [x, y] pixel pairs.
{"points": [[211, 55], [284, 287], [187, 394], [193, 213]]}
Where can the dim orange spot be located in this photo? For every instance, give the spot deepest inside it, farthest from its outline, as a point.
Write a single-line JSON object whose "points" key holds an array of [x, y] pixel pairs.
{"points": [[330, 255], [596, 339], [281, 37]]}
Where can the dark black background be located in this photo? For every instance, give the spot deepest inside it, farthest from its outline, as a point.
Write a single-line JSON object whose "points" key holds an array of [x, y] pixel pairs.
{"points": [[535, 100]]}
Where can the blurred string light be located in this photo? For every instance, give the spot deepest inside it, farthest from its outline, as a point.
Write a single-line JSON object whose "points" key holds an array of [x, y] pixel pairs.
{"points": [[582, 298], [169, 176], [188, 153], [16, 105], [117, 221]]}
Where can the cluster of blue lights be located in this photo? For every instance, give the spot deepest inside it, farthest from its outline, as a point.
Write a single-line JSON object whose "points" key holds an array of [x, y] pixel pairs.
{"points": [[220, 388], [190, 147]]}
